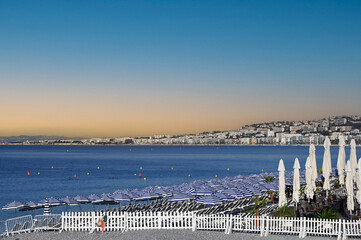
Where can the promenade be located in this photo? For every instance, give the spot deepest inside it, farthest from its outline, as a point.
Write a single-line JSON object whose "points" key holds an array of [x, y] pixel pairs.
{"points": [[155, 235]]}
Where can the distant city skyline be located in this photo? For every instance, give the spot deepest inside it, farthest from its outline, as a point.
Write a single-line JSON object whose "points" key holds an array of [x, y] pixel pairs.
{"points": [[140, 68]]}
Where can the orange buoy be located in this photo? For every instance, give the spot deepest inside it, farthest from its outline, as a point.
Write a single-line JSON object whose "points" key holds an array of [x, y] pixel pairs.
{"points": [[28, 173], [140, 175], [75, 175]]}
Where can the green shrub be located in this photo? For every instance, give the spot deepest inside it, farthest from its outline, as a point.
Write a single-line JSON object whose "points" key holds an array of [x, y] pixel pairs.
{"points": [[285, 211], [269, 179], [254, 210], [327, 214]]}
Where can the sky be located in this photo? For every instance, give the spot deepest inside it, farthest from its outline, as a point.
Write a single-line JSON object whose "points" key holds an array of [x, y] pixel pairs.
{"points": [[139, 68]]}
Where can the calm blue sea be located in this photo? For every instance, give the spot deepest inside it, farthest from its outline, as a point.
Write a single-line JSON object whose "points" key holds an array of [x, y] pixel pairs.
{"points": [[57, 166]]}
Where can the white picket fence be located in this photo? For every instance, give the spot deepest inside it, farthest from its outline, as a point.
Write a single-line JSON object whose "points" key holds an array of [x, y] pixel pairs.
{"points": [[264, 225]]}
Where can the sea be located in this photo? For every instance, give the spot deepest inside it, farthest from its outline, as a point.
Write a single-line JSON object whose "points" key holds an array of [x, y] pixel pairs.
{"points": [[59, 171]]}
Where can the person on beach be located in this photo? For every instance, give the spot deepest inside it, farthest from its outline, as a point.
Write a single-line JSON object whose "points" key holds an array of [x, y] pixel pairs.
{"points": [[105, 218]]}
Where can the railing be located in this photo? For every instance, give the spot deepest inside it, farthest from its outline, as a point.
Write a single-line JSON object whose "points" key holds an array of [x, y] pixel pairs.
{"points": [[2, 228], [46, 222], [264, 225], [124, 221], [18, 224]]}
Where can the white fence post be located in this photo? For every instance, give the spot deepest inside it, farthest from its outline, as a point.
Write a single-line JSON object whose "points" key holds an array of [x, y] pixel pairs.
{"points": [[267, 226], [126, 221], [339, 229], [62, 222], [230, 224], [262, 226], [344, 236], [194, 221]]}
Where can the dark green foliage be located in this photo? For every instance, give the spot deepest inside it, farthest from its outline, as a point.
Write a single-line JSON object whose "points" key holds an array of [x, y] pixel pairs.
{"points": [[269, 179], [257, 205], [285, 211], [337, 184], [327, 214]]}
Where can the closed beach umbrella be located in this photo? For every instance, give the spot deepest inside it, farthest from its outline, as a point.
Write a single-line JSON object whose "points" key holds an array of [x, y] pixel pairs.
{"points": [[353, 158], [209, 200], [309, 186], [13, 205], [341, 160], [326, 165], [47, 210], [358, 182], [349, 187], [296, 181], [312, 153], [281, 184]]}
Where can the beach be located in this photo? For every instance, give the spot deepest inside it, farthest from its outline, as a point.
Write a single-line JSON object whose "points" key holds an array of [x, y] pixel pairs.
{"points": [[155, 235]]}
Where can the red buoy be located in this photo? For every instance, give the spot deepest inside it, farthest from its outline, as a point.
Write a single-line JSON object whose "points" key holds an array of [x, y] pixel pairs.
{"points": [[75, 175], [140, 175], [28, 173]]}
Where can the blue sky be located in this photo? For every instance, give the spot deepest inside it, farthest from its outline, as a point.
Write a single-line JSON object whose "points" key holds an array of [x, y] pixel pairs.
{"points": [[244, 60]]}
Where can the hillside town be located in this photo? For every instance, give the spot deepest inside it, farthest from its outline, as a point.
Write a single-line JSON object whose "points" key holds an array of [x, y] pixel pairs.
{"points": [[273, 133]]}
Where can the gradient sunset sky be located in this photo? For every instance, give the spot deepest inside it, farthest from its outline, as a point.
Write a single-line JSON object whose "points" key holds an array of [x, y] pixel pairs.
{"points": [[138, 68]]}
